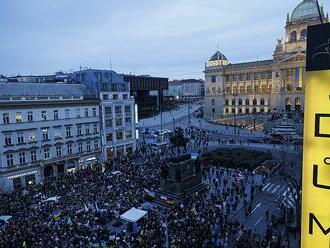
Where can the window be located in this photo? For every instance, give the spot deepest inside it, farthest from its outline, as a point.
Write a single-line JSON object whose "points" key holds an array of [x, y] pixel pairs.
{"points": [[128, 120], [33, 155], [21, 156], [67, 113], [248, 76], [119, 122], [109, 137], [95, 128], [55, 114], [118, 109], [227, 102], [45, 134], [79, 130], [119, 135], [88, 145], [80, 147], [105, 97], [78, 113], [8, 140], [213, 102], [115, 97], [233, 102], [30, 116], [5, 118], [264, 75], [44, 115], [108, 123], [256, 76], [58, 151], [94, 112], [293, 36], [262, 101], [241, 77], [20, 138], [57, 133], [69, 149], [10, 160], [96, 145], [254, 101], [32, 136], [247, 102], [240, 101], [125, 96], [303, 34], [127, 109], [213, 79], [18, 117], [128, 134], [87, 129], [46, 153], [86, 112], [68, 131], [108, 111]]}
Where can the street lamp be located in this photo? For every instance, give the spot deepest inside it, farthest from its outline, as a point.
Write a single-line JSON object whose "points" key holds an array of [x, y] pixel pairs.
{"points": [[235, 120]]}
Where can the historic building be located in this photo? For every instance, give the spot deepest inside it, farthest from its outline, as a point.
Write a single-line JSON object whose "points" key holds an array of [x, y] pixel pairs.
{"points": [[270, 85], [46, 130], [118, 112]]}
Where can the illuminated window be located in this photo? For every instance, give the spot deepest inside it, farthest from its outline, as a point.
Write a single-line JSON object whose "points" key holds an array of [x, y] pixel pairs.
{"points": [[18, 117]]}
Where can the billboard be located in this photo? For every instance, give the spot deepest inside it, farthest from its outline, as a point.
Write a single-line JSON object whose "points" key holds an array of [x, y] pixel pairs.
{"points": [[315, 231]]}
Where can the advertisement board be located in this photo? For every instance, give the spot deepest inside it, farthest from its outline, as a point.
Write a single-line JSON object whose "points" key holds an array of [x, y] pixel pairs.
{"points": [[315, 231]]}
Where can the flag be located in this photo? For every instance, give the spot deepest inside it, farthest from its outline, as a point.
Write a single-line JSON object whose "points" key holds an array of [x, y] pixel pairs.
{"points": [[69, 221], [56, 214]]}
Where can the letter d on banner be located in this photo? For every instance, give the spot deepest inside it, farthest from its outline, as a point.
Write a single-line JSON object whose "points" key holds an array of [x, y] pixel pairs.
{"points": [[315, 230]]}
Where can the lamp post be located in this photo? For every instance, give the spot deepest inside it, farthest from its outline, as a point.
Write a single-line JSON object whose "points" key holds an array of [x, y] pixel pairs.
{"points": [[235, 116]]}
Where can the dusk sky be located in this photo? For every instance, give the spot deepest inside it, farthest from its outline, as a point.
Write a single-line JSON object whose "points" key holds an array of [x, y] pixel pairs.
{"points": [[169, 38]]}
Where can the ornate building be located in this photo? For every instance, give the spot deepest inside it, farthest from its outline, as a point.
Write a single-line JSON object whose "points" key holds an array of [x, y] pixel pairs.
{"points": [[268, 85]]}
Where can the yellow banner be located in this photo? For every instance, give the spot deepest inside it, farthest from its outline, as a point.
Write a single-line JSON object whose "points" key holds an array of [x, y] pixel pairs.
{"points": [[315, 231]]}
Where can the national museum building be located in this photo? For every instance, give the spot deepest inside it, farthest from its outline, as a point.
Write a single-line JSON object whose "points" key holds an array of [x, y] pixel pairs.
{"points": [[274, 85]]}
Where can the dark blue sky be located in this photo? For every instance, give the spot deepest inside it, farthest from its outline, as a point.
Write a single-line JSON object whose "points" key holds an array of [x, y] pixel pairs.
{"points": [[170, 38]]}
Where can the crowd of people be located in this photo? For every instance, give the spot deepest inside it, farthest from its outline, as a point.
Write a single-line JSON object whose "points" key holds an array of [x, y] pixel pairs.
{"points": [[87, 205]]}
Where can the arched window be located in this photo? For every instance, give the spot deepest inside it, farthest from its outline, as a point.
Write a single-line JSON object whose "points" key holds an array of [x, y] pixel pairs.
{"points": [[254, 101], [293, 36], [227, 102], [262, 101], [213, 91], [247, 101], [303, 34], [233, 102], [240, 102]]}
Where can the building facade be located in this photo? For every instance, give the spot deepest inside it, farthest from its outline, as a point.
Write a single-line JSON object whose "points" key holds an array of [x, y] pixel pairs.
{"points": [[148, 93], [186, 90], [46, 130], [118, 115], [273, 85]]}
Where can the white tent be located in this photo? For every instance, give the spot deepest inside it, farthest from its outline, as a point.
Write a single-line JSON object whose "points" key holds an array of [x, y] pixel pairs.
{"points": [[5, 218], [52, 199], [133, 215]]}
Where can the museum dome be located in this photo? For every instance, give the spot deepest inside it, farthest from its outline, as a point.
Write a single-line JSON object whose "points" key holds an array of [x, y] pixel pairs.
{"points": [[218, 56], [218, 59], [305, 10]]}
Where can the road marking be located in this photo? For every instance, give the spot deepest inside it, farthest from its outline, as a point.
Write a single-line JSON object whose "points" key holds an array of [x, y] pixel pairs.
{"points": [[270, 188], [258, 205], [263, 189], [285, 192], [276, 188], [258, 220], [282, 190]]}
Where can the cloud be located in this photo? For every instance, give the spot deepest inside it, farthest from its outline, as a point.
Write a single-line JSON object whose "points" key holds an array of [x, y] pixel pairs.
{"points": [[172, 38]]}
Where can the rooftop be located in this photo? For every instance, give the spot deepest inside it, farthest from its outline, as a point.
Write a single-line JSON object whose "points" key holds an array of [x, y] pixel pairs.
{"points": [[45, 90]]}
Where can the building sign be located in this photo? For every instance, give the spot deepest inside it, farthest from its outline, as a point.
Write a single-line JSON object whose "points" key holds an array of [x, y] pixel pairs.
{"points": [[315, 230]]}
